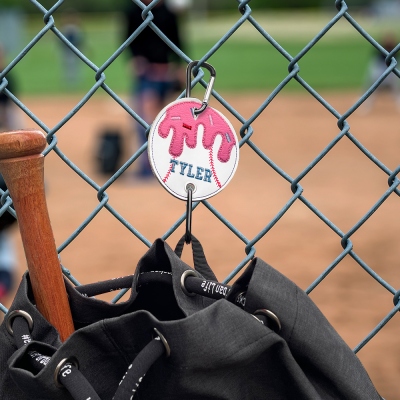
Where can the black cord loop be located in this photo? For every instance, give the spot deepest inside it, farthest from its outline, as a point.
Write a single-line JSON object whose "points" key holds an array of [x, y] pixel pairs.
{"points": [[188, 235]]}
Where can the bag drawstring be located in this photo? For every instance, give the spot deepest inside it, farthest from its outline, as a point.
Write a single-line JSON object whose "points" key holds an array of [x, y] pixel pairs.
{"points": [[140, 365], [67, 375], [190, 283]]}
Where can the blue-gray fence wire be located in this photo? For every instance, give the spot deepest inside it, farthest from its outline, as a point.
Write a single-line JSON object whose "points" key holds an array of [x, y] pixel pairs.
{"points": [[245, 15]]}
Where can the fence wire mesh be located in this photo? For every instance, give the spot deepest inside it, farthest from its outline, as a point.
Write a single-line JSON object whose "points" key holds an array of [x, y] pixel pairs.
{"points": [[247, 140]]}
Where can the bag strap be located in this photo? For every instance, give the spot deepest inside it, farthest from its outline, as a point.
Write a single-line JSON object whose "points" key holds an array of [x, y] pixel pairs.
{"points": [[69, 377], [199, 261], [193, 284], [199, 258], [101, 287], [67, 374], [139, 367]]}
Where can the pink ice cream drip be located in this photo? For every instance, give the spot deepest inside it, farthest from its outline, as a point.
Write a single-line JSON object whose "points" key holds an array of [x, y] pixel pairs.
{"points": [[184, 125]]}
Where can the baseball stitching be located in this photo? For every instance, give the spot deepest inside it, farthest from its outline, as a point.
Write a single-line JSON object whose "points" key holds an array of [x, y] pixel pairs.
{"points": [[168, 173], [214, 174]]}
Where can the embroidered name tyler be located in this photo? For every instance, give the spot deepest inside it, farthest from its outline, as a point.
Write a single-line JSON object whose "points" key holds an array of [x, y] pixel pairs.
{"points": [[184, 168]]}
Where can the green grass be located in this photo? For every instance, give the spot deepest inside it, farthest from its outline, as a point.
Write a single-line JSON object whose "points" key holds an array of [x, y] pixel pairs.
{"points": [[259, 66], [242, 64]]}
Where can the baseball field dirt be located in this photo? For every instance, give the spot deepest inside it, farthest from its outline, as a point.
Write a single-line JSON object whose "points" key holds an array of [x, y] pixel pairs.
{"points": [[292, 132]]}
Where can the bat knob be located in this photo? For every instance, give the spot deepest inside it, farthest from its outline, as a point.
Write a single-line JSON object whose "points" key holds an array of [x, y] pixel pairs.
{"points": [[21, 143]]}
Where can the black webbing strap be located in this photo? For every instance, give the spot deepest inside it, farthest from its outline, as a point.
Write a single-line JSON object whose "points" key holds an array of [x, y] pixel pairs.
{"points": [[137, 370], [211, 289], [68, 374], [154, 276], [193, 284], [21, 332], [94, 289], [199, 258], [110, 285], [77, 385], [203, 287]]}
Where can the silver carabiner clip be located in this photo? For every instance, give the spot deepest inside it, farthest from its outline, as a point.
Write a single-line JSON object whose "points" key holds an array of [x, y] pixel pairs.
{"points": [[210, 85]]}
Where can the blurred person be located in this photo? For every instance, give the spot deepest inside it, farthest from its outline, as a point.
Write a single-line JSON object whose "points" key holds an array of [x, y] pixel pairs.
{"points": [[8, 122], [154, 67], [377, 67], [72, 31]]}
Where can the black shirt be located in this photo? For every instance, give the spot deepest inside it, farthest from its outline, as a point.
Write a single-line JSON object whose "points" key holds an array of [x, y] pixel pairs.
{"points": [[148, 44]]}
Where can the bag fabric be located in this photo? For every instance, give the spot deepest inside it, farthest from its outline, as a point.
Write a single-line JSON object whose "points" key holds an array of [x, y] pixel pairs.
{"points": [[332, 368], [217, 349]]}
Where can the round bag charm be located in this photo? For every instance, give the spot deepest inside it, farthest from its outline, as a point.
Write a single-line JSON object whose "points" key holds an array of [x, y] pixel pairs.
{"points": [[192, 143]]}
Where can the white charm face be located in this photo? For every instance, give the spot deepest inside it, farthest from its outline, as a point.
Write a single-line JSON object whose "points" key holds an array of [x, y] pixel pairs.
{"points": [[183, 148]]}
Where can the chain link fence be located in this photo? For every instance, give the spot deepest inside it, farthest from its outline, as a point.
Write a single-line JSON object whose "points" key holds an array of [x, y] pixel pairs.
{"points": [[247, 135]]}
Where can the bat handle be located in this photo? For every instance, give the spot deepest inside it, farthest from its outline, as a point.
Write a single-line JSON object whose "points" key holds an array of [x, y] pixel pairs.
{"points": [[22, 167]]}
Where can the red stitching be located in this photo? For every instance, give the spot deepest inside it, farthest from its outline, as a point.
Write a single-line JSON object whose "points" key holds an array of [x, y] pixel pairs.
{"points": [[213, 169], [168, 173]]}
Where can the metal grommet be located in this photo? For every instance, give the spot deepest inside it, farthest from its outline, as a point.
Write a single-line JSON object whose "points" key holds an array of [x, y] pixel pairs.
{"points": [[271, 316], [190, 186], [164, 342], [187, 273], [61, 364], [18, 313]]}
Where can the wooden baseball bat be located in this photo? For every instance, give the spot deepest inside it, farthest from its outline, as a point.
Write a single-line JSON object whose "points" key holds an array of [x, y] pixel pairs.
{"points": [[22, 166]]}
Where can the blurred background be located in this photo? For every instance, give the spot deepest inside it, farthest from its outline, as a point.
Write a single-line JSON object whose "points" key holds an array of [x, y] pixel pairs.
{"points": [[293, 24], [290, 132]]}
